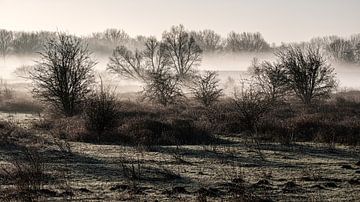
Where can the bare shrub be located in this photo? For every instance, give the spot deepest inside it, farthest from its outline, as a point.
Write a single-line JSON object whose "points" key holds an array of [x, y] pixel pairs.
{"points": [[252, 104], [163, 88], [64, 73], [308, 73], [206, 88], [271, 78], [101, 111]]}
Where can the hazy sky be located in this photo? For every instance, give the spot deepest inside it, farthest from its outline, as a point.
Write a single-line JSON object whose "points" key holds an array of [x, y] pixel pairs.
{"points": [[277, 20]]}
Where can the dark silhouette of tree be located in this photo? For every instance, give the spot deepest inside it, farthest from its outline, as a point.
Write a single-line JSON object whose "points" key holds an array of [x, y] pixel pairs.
{"points": [[163, 66], [308, 73], [271, 78], [102, 111], [182, 51], [251, 104], [64, 74], [206, 88], [6, 38], [163, 88], [152, 67]]}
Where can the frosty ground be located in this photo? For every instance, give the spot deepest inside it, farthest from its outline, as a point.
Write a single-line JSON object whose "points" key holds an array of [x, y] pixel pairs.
{"points": [[235, 170]]}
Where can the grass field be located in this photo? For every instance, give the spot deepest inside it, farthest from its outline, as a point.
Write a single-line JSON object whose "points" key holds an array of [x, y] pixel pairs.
{"points": [[236, 170]]}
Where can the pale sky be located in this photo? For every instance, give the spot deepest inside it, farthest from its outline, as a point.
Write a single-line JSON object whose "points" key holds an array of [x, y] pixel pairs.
{"points": [[277, 20]]}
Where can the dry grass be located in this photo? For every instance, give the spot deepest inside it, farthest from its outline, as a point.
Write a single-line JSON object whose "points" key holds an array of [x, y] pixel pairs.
{"points": [[230, 172]]}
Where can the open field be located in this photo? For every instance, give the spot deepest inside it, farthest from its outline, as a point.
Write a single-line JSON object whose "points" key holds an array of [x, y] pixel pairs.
{"points": [[235, 170]]}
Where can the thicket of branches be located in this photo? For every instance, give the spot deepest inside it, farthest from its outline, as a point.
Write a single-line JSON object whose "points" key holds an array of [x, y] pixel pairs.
{"points": [[308, 73], [163, 66], [206, 88], [64, 74], [302, 71]]}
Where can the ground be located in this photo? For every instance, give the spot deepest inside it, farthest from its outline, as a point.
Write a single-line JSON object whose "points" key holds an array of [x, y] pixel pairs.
{"points": [[236, 170]]}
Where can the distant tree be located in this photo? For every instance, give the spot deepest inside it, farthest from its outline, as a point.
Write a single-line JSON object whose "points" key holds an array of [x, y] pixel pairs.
{"points": [[271, 78], [6, 38], [206, 88], [182, 50], [163, 66], [342, 50], [246, 42], [357, 52], [116, 36], [64, 74], [27, 43], [152, 67], [308, 73], [208, 40], [164, 88]]}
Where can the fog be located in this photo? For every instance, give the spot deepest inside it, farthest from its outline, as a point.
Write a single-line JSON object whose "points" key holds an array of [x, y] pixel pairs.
{"points": [[230, 65]]}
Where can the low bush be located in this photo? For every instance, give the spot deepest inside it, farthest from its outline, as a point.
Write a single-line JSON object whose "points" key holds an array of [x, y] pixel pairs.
{"points": [[331, 123], [101, 112], [148, 132]]}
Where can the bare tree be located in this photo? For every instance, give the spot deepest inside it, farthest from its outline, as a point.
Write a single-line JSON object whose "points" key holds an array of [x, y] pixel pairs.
{"points": [[116, 36], [25, 42], [152, 67], [6, 38], [342, 50], [206, 88], [208, 40], [182, 50], [163, 66], [309, 75], [271, 78], [246, 42], [64, 74], [163, 88]]}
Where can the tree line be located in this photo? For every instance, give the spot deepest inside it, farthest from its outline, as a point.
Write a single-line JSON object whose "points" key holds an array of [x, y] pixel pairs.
{"points": [[339, 49], [64, 74]]}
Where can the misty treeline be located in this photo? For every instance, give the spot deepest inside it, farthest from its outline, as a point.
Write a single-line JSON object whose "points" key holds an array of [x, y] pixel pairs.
{"points": [[64, 74], [281, 98], [338, 48]]}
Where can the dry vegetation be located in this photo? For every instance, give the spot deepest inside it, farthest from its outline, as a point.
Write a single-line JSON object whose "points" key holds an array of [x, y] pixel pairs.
{"points": [[186, 153], [284, 136]]}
